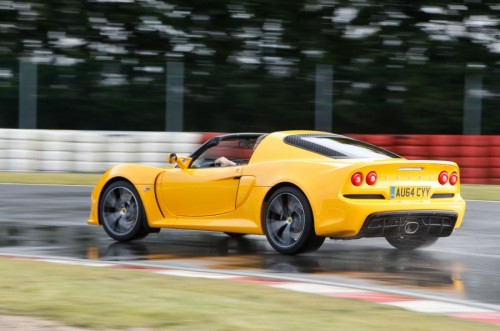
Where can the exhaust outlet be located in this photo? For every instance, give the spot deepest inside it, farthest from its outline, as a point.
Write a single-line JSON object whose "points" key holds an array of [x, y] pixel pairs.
{"points": [[411, 227]]}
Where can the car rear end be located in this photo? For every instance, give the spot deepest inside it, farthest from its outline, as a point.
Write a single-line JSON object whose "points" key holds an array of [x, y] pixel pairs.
{"points": [[393, 198]]}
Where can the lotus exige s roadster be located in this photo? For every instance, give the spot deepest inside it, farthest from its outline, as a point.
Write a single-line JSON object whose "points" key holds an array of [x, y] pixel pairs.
{"points": [[295, 187]]}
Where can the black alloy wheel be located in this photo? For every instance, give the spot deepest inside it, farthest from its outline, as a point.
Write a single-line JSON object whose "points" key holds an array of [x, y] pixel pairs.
{"points": [[121, 212], [288, 222]]}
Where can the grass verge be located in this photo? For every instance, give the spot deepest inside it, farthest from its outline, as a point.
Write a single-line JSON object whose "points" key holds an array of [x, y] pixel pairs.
{"points": [[481, 192], [109, 298], [469, 191]]}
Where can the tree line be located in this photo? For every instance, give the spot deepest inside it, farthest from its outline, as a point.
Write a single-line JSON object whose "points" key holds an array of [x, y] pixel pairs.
{"points": [[398, 66]]}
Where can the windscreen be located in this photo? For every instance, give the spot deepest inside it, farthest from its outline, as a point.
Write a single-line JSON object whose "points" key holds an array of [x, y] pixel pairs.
{"points": [[339, 147], [238, 150]]}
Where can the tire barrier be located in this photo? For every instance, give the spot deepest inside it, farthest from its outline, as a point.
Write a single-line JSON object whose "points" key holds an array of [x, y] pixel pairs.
{"points": [[477, 156], [95, 151], [88, 151]]}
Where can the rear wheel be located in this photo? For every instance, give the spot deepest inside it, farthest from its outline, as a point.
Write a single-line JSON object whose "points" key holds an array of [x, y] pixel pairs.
{"points": [[121, 212], [411, 243], [288, 222]]}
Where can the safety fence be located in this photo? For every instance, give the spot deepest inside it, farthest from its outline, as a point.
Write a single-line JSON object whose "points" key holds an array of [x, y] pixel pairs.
{"points": [[95, 151]]}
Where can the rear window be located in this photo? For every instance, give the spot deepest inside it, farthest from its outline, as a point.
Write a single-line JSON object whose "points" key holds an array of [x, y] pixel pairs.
{"points": [[338, 147]]}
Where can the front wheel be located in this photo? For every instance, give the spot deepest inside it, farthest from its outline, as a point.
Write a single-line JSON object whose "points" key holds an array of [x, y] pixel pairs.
{"points": [[288, 222], [121, 212], [411, 243]]}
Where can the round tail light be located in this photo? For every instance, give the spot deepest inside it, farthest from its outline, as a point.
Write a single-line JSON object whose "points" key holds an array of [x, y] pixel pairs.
{"points": [[443, 177], [453, 178], [371, 178], [357, 179]]}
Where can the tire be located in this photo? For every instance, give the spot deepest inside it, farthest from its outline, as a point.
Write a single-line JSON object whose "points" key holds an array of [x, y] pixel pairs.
{"points": [[121, 212], [288, 222], [411, 243]]}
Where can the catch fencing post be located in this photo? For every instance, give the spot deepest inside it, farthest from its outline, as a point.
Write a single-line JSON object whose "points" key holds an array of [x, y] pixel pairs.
{"points": [[27, 94], [174, 103], [323, 114], [473, 105]]}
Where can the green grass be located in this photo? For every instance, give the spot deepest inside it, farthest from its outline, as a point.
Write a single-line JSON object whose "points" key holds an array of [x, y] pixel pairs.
{"points": [[109, 298], [469, 192], [481, 192]]}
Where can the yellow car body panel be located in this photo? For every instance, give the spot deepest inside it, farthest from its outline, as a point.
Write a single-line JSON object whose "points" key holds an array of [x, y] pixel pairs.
{"points": [[231, 199], [198, 192], [142, 177]]}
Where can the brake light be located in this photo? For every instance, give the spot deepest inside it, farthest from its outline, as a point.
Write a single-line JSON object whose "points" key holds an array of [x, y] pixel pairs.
{"points": [[371, 178], [357, 179], [443, 177], [453, 178]]}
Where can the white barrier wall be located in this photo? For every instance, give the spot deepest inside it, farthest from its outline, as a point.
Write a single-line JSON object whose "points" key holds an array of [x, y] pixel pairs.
{"points": [[88, 151]]}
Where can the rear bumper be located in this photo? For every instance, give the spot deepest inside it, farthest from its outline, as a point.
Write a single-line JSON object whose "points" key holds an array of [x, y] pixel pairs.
{"points": [[349, 218], [409, 224]]}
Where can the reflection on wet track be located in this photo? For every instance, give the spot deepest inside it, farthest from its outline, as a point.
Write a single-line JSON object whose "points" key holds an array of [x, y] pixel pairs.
{"points": [[464, 266]]}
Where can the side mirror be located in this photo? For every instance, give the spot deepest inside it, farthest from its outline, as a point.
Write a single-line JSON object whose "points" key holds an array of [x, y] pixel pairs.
{"points": [[171, 158], [182, 162]]}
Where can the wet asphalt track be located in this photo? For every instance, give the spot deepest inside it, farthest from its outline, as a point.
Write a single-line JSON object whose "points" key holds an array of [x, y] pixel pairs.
{"points": [[49, 221]]}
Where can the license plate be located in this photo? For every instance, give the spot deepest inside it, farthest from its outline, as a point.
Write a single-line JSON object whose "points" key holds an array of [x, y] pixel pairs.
{"points": [[410, 192]]}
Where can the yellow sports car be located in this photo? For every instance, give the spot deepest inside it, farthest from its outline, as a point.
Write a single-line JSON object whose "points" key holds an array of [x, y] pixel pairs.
{"points": [[296, 187]]}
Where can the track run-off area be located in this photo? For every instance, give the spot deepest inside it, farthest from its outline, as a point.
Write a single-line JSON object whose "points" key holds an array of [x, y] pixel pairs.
{"points": [[48, 222]]}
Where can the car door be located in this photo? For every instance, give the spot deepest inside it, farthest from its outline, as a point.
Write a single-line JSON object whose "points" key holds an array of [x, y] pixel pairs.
{"points": [[198, 192]]}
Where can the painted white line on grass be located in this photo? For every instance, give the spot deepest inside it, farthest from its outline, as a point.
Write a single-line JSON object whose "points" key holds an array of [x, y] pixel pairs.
{"points": [[82, 263], [436, 307], [194, 274], [315, 288]]}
